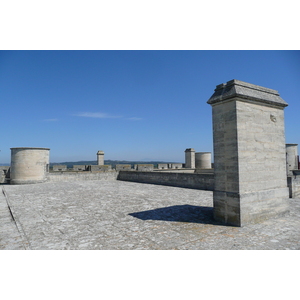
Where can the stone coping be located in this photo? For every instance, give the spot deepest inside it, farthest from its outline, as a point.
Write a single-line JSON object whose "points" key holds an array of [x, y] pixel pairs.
{"points": [[30, 148], [246, 91]]}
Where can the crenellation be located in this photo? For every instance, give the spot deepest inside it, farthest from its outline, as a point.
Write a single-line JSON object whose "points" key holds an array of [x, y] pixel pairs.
{"points": [[163, 166], [79, 168], [97, 168], [123, 167], [59, 168]]}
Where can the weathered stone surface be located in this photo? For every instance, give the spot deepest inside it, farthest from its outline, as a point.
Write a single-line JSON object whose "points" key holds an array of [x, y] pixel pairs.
{"points": [[249, 153], [11, 235], [57, 168], [190, 158], [162, 166], [29, 165], [175, 166], [291, 158], [246, 91], [95, 168], [185, 180], [144, 167], [203, 160], [123, 167], [79, 168], [112, 215], [100, 158], [82, 176], [294, 184]]}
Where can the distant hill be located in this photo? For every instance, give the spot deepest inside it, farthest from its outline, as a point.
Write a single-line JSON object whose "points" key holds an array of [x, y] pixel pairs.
{"points": [[113, 163]]}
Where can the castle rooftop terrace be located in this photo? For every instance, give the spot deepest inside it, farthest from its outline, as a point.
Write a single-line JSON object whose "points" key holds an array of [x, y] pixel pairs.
{"points": [[126, 215]]}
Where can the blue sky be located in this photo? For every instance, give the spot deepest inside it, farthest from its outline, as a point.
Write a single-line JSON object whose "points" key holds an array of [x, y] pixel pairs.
{"points": [[133, 105]]}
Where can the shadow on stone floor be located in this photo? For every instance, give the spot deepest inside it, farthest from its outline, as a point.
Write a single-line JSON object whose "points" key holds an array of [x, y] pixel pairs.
{"points": [[179, 213]]}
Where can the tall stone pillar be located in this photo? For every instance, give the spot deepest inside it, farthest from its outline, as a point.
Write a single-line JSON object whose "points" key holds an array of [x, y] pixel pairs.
{"points": [[291, 158], [249, 153], [190, 158], [100, 158]]}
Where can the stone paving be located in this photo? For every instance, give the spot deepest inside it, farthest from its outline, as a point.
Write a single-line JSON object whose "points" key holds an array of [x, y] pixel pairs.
{"points": [[115, 215]]}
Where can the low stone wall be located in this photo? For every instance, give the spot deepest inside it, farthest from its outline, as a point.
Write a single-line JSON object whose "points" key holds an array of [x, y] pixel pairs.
{"points": [[294, 184], [86, 175], [184, 180]]}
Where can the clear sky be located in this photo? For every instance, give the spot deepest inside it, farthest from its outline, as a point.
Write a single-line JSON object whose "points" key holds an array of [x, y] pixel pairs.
{"points": [[133, 105]]}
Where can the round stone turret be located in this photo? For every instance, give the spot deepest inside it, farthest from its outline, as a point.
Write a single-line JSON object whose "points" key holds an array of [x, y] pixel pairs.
{"points": [[29, 165], [203, 160]]}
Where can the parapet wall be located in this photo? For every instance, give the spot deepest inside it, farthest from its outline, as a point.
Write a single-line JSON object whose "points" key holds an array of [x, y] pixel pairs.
{"points": [[75, 176], [184, 180]]}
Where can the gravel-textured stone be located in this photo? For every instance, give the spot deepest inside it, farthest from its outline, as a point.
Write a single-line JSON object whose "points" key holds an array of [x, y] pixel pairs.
{"points": [[126, 215]]}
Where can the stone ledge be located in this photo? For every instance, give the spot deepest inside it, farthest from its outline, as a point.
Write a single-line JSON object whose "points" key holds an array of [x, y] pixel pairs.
{"points": [[246, 91]]}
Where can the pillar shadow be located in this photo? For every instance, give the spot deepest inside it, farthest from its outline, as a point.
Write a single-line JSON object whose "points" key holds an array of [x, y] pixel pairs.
{"points": [[179, 213]]}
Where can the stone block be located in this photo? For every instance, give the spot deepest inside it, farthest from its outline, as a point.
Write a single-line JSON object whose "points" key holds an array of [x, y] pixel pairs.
{"points": [[59, 168], [98, 168], [145, 167], [79, 167], [176, 166], [163, 166], [123, 167]]}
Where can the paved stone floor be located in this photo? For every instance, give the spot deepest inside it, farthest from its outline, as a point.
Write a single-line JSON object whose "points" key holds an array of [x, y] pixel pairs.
{"points": [[125, 215]]}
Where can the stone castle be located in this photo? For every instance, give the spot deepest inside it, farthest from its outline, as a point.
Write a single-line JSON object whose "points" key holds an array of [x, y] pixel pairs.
{"points": [[253, 175]]}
